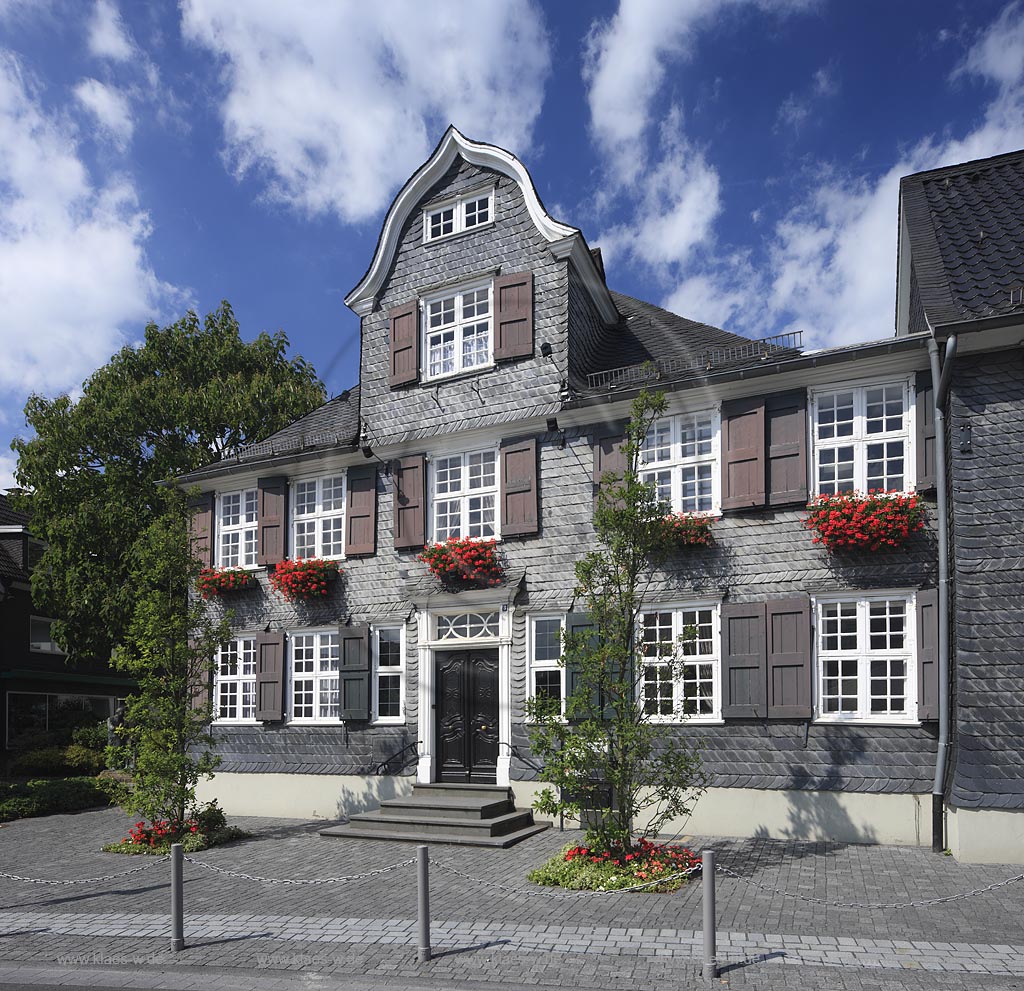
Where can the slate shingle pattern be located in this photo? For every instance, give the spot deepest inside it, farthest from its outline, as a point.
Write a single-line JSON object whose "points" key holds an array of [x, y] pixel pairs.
{"points": [[9, 516]]}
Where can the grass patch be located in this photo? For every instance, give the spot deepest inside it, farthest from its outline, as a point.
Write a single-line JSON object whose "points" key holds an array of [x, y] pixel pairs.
{"points": [[47, 796], [578, 868]]}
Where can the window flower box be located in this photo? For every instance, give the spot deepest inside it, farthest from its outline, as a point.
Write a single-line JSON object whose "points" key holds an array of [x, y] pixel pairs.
{"points": [[214, 582], [869, 522], [304, 580], [464, 562], [687, 530]]}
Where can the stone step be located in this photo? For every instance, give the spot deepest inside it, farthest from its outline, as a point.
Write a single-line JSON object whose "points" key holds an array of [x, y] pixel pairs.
{"points": [[461, 789], [473, 807], [379, 832], [444, 825]]}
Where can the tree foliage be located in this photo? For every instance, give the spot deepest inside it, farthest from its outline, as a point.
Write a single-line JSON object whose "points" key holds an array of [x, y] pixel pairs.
{"points": [[608, 754], [191, 393]]}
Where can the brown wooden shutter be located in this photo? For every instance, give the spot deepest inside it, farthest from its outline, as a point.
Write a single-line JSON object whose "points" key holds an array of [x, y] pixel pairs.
{"points": [[788, 635], [609, 453], [354, 673], [513, 316], [925, 439], [928, 654], [743, 442], [743, 660], [201, 533], [361, 512], [202, 691], [519, 503], [404, 336], [270, 677], [273, 520], [786, 427], [410, 523]]}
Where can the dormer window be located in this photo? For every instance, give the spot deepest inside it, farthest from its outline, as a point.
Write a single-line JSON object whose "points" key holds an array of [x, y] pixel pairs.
{"points": [[457, 329], [455, 216]]}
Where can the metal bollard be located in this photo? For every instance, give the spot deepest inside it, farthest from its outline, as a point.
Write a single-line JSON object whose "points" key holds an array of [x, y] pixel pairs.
{"points": [[177, 900], [708, 891], [423, 903]]}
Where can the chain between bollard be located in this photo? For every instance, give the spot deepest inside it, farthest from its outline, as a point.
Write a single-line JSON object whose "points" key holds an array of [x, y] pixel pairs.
{"points": [[288, 880], [919, 903], [86, 880]]}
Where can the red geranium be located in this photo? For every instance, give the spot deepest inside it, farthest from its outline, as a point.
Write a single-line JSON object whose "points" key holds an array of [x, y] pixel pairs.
{"points": [[304, 579], [687, 530], [220, 581], [872, 521], [464, 560]]}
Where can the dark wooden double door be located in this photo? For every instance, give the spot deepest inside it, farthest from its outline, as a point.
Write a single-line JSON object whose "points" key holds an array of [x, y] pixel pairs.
{"points": [[467, 715]]}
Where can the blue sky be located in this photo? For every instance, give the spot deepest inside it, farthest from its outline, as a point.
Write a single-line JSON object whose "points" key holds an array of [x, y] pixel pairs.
{"points": [[737, 160]]}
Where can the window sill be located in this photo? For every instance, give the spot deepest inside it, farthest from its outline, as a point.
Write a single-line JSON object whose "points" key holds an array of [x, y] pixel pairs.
{"points": [[235, 722], [463, 374], [428, 241], [388, 721], [863, 721]]}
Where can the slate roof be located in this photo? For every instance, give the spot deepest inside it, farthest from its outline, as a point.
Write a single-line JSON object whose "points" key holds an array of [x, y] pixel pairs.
{"points": [[9, 516], [966, 228]]}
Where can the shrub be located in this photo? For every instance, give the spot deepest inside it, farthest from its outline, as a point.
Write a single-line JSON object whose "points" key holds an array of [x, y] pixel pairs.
{"points": [[581, 869], [84, 759], [93, 736], [46, 760], [205, 827], [45, 796]]}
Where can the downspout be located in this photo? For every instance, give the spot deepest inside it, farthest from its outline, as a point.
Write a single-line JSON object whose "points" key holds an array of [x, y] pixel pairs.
{"points": [[941, 387]]}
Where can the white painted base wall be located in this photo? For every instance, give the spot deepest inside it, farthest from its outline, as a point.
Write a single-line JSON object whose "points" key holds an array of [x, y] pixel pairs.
{"points": [[986, 836]]}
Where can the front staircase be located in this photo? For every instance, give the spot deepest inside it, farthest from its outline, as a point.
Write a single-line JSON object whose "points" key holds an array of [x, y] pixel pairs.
{"points": [[471, 815]]}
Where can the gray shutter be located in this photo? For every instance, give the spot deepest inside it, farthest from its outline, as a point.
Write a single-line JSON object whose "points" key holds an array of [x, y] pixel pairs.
{"points": [[201, 692], [743, 445], [788, 635], [410, 529], [519, 503], [925, 439], [404, 338], [609, 456], [273, 520], [743, 660], [354, 673], [270, 677], [577, 623], [928, 654], [513, 316], [201, 528], [786, 431], [361, 512]]}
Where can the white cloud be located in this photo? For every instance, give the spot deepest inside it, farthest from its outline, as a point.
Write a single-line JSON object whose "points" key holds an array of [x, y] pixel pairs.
{"points": [[7, 465], [110, 107], [795, 111], [73, 269], [335, 103], [108, 37]]}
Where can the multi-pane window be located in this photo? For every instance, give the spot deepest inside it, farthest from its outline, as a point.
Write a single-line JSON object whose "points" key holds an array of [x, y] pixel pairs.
{"points": [[546, 673], [680, 459], [41, 636], [389, 673], [680, 672], [457, 331], [865, 654], [318, 516], [314, 670], [862, 439], [463, 214], [465, 494], [235, 680], [237, 518], [467, 626]]}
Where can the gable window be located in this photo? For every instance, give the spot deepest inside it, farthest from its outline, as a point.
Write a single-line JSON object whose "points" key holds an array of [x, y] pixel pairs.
{"points": [[235, 681], [865, 658], [318, 516], [237, 518], [862, 439], [457, 330], [680, 673], [547, 676], [456, 216], [464, 494], [41, 636], [388, 675], [680, 459]]}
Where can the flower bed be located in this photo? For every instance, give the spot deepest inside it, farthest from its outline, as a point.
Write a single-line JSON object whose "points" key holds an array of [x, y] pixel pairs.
{"points": [[872, 522], [305, 579], [581, 869], [687, 530], [464, 561], [206, 827], [220, 581]]}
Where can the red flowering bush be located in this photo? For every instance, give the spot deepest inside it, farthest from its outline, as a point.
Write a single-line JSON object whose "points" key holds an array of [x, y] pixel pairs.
{"points": [[464, 560], [303, 579], [872, 521], [219, 581], [204, 827], [582, 868], [687, 530]]}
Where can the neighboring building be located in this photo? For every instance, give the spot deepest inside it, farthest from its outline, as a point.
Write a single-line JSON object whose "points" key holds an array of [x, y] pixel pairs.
{"points": [[496, 372], [41, 698]]}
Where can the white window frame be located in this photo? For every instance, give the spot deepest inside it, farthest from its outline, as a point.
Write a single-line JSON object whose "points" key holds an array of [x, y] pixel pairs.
{"points": [[244, 528], [677, 462], [240, 678], [317, 676], [319, 515], [461, 221], [678, 611], [112, 702], [458, 328], [49, 646], [863, 657], [546, 665], [390, 670], [465, 494], [860, 438]]}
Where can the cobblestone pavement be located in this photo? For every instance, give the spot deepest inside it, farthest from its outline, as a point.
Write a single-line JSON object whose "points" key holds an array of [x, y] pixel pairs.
{"points": [[499, 928]]}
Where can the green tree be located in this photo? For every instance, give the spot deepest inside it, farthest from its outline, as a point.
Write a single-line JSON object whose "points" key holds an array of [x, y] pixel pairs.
{"points": [[608, 754], [191, 393]]}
